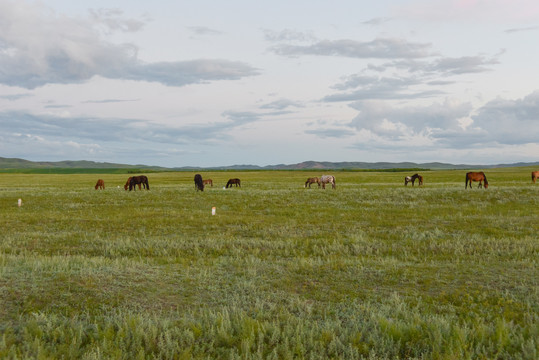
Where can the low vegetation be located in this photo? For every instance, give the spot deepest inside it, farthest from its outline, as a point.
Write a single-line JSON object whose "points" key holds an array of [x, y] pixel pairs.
{"points": [[370, 270]]}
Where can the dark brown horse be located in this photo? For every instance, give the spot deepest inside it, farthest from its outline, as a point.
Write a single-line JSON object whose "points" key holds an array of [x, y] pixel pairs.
{"points": [[127, 183], [199, 184], [312, 181], [231, 182], [476, 176], [100, 184], [413, 178], [137, 180], [208, 181], [535, 176]]}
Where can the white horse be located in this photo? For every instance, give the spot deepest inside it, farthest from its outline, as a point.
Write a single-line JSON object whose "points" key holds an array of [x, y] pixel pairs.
{"points": [[325, 179]]}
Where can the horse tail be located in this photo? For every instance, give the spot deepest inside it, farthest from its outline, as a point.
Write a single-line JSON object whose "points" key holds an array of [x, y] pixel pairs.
{"points": [[466, 182]]}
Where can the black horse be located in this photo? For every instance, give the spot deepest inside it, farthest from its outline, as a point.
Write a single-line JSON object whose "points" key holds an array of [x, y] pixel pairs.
{"points": [[231, 182], [137, 180], [199, 184]]}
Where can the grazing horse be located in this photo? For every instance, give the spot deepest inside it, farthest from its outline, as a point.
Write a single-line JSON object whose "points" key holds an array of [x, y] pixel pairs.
{"points": [[100, 184], [209, 181], [127, 183], [199, 184], [476, 176], [535, 176], [231, 182], [312, 181], [325, 179], [413, 178], [137, 180]]}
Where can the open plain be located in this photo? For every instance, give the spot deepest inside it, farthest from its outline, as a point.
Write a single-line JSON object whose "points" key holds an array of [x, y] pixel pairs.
{"points": [[373, 269]]}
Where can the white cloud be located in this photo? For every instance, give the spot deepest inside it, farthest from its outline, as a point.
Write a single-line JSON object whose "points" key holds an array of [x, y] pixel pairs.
{"points": [[38, 48]]}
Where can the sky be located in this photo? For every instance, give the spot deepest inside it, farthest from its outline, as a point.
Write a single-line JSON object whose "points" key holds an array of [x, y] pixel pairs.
{"points": [[214, 83]]}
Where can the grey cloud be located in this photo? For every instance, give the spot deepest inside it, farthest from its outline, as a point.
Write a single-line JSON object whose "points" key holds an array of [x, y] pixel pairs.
{"points": [[107, 101], [462, 65], [377, 21], [445, 66], [288, 35], [331, 133], [529, 28], [187, 72], [378, 48], [374, 87], [203, 31], [510, 121], [15, 97], [112, 20], [281, 104]]}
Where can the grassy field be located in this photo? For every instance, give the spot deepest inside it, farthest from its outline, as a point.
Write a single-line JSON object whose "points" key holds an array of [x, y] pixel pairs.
{"points": [[370, 270]]}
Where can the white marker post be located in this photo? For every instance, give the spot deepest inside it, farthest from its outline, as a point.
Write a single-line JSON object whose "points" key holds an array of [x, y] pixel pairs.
{"points": [[213, 210], [19, 202]]}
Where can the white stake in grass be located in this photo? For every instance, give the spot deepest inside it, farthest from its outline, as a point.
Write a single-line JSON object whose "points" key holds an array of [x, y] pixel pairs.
{"points": [[213, 210], [19, 202]]}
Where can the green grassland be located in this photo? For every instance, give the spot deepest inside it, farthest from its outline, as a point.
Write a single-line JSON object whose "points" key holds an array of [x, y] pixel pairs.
{"points": [[370, 270]]}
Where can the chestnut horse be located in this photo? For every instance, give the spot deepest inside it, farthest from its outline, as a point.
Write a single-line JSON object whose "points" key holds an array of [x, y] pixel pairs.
{"points": [[209, 181], [328, 179], [231, 182], [476, 176], [137, 180], [413, 178], [312, 181], [199, 184], [100, 184], [535, 176]]}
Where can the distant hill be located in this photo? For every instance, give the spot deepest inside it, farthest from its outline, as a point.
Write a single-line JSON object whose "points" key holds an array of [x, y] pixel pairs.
{"points": [[14, 163]]}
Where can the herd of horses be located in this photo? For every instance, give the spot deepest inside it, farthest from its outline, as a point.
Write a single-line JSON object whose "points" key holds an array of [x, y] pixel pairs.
{"points": [[142, 180]]}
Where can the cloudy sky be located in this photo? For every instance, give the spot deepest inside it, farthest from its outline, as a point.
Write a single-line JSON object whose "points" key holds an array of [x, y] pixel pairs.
{"points": [[210, 83]]}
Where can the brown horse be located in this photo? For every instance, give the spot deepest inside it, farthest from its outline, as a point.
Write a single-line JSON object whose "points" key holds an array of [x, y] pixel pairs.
{"points": [[208, 181], [231, 182], [137, 180], [476, 176], [413, 178], [312, 181], [127, 183], [100, 184], [199, 184], [535, 176]]}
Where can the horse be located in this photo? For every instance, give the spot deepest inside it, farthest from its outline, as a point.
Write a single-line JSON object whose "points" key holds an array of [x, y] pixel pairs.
{"points": [[100, 184], [209, 181], [535, 176], [413, 178], [312, 181], [137, 180], [127, 183], [476, 176], [231, 182], [325, 179], [199, 184]]}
